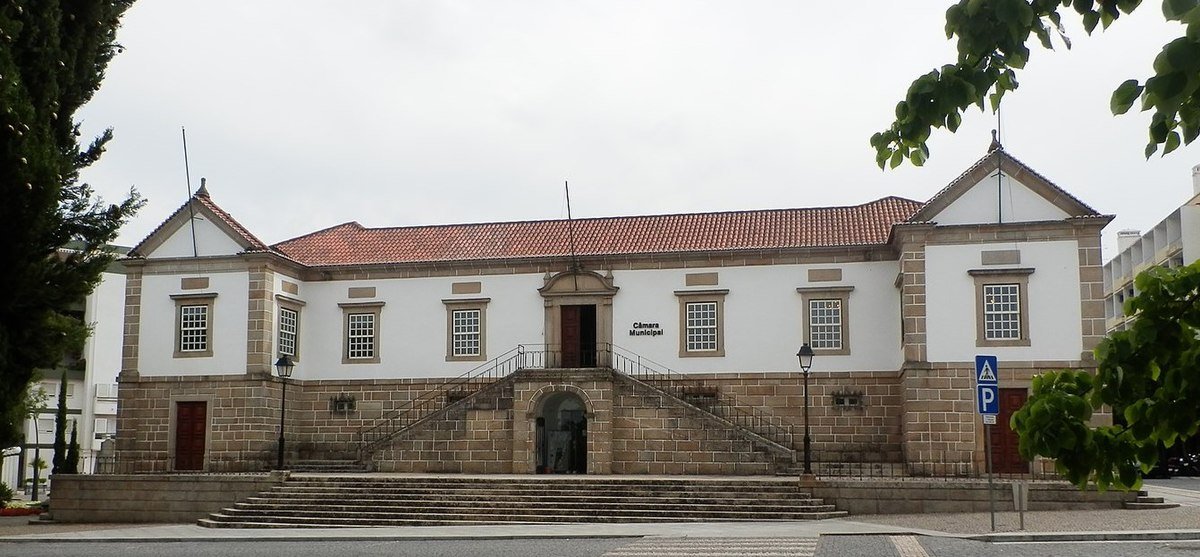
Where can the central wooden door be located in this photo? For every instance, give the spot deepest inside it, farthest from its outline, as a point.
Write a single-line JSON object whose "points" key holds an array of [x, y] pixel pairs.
{"points": [[1006, 457], [191, 424], [570, 336], [578, 334]]}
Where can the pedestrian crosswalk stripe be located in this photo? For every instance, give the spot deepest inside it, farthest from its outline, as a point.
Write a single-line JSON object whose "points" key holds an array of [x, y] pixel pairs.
{"points": [[908, 546], [718, 547]]}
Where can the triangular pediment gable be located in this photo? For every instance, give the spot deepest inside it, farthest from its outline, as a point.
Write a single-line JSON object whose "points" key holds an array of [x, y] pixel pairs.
{"points": [[1019, 194], [215, 233]]}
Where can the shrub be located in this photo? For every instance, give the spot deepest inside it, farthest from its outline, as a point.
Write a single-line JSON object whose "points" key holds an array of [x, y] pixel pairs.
{"points": [[6, 494]]}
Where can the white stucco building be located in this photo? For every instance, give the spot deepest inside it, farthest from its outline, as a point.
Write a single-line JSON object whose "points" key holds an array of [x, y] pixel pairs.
{"points": [[563, 349]]}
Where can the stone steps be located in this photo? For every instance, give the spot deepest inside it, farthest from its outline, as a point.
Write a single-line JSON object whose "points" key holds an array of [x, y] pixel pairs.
{"points": [[1146, 502], [357, 501], [485, 500], [327, 466]]}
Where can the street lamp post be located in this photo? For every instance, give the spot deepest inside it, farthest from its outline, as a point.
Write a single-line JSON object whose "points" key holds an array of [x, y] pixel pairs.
{"points": [[806, 357], [284, 367]]}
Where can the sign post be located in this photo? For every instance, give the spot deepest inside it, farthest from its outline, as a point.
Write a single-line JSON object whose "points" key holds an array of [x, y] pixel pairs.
{"points": [[987, 397]]}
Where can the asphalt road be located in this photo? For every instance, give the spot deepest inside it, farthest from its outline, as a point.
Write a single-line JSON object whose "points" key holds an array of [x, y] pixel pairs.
{"points": [[1191, 483], [887, 546]]}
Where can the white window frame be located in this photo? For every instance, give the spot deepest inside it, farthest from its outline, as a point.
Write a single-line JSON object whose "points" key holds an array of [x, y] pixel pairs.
{"points": [[193, 328], [700, 322], [360, 336], [466, 335], [825, 330], [289, 332], [1002, 311]]}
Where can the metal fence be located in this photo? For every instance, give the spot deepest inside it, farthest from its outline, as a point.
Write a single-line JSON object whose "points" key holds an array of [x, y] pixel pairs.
{"points": [[248, 462]]}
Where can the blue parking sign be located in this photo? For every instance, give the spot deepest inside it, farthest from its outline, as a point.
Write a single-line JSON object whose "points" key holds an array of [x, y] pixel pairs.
{"points": [[988, 397]]}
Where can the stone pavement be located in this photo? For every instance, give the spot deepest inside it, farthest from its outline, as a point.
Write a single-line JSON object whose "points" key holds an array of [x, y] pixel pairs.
{"points": [[1178, 523]]}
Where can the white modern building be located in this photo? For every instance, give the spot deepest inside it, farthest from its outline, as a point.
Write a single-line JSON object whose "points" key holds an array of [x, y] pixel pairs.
{"points": [[91, 389], [1173, 242]]}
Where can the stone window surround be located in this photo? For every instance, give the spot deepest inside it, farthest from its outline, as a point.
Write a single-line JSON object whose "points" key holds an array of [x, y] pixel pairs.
{"points": [[693, 296], [296, 305], [206, 299], [459, 304], [354, 308], [1019, 277], [810, 293]]}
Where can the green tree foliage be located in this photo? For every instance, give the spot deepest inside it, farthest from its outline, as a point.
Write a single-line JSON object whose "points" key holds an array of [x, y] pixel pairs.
{"points": [[1149, 374], [993, 38], [52, 60], [32, 402]]}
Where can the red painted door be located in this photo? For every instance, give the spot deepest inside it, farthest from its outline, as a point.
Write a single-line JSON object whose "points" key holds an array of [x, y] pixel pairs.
{"points": [[570, 336], [191, 420], [1006, 458]]}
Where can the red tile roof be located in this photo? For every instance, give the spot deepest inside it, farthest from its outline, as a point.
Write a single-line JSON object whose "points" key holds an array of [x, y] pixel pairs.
{"points": [[353, 244]]}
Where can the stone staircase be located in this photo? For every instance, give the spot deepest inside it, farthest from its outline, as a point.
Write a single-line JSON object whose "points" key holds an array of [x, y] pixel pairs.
{"points": [[1146, 502], [327, 466], [359, 501]]}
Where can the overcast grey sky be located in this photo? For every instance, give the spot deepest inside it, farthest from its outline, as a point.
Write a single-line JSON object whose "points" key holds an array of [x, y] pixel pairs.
{"points": [[304, 115]]}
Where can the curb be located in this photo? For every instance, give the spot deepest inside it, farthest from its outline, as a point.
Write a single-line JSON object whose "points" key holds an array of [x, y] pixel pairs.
{"points": [[322, 538], [1131, 536]]}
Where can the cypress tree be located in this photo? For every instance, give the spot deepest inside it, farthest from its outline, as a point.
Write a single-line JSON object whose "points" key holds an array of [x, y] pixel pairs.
{"points": [[72, 464], [60, 428], [53, 54]]}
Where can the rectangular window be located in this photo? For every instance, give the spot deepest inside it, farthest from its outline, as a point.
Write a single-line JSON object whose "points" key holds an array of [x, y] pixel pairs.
{"points": [[194, 324], [289, 327], [465, 332], [826, 318], [1001, 312], [360, 336], [825, 324], [701, 322], [193, 328], [466, 328], [105, 428], [1002, 306]]}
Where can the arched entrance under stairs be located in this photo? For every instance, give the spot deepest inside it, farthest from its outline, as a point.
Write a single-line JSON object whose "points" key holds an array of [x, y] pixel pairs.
{"points": [[561, 435]]}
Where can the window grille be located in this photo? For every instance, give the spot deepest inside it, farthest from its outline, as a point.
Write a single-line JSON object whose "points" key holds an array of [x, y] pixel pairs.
{"points": [[193, 328], [361, 335], [1002, 311], [701, 326], [466, 332], [825, 324], [289, 326]]}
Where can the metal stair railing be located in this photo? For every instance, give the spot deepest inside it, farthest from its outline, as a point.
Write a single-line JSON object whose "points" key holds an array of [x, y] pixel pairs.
{"points": [[748, 418], [436, 400], [659, 377]]}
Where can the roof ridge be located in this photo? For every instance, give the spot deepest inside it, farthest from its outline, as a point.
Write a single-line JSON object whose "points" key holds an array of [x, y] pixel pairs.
{"points": [[321, 231], [612, 217]]}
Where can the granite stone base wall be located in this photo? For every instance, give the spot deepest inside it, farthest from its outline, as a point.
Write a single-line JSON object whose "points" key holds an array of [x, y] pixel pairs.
{"points": [[172, 498], [903, 496], [919, 421]]}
